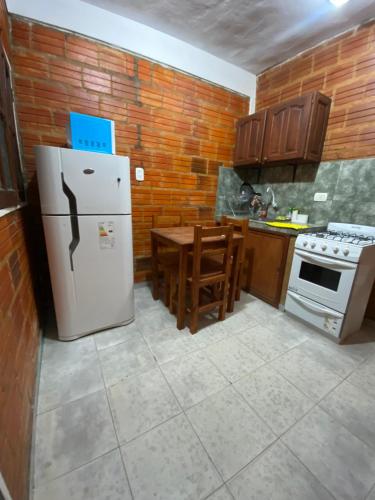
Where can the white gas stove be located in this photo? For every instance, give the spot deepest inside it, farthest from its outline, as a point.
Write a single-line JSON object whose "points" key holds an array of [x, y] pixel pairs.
{"points": [[341, 241], [332, 276]]}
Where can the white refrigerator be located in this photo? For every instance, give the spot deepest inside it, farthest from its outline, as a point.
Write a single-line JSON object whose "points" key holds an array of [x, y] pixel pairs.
{"points": [[86, 210]]}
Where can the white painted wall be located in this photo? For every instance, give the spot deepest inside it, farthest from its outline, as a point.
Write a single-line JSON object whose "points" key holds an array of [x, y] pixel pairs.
{"points": [[91, 21]]}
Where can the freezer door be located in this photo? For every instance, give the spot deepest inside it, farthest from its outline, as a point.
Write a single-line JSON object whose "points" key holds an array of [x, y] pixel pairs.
{"points": [[53, 200], [93, 285], [99, 182], [82, 182]]}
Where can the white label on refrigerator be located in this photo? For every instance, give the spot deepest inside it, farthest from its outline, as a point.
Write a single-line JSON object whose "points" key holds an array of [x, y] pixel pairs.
{"points": [[106, 231]]}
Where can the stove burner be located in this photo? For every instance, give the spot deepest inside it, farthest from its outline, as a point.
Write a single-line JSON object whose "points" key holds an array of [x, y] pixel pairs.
{"points": [[354, 239]]}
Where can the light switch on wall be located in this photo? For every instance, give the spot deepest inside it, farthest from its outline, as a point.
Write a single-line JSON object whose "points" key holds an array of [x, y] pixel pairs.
{"points": [[320, 196], [139, 174]]}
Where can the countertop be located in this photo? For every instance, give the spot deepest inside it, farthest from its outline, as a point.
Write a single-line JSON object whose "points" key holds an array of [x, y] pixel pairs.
{"points": [[262, 226]]}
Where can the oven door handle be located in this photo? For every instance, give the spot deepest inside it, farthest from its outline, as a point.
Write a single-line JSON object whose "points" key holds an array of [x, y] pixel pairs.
{"points": [[335, 264], [319, 309]]}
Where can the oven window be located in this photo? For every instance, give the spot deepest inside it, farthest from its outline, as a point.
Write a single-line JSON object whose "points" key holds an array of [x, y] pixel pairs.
{"points": [[320, 275]]}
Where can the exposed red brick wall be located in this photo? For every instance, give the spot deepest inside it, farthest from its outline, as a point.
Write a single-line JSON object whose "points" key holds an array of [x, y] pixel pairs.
{"points": [[19, 341], [344, 69], [179, 128]]}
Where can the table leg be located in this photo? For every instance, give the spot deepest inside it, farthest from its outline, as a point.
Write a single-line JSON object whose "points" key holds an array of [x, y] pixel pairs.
{"points": [[239, 280], [182, 275], [155, 267], [237, 252]]}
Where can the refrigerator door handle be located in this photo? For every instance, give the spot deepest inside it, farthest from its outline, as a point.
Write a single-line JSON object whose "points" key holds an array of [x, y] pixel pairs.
{"points": [[70, 195], [73, 219], [75, 238]]}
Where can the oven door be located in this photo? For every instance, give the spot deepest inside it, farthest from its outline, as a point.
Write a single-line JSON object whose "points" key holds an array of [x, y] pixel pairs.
{"points": [[322, 279]]}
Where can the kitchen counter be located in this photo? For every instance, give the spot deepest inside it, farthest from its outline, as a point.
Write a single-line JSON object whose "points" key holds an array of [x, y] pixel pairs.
{"points": [[262, 226], [268, 258]]}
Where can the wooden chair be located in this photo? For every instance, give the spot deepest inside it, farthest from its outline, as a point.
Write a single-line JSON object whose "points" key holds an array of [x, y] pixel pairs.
{"points": [[207, 278], [205, 223], [167, 257], [240, 226]]}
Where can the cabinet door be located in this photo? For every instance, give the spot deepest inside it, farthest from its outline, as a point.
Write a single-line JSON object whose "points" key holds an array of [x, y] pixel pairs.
{"points": [[320, 112], [249, 139], [370, 311], [286, 130], [265, 256]]}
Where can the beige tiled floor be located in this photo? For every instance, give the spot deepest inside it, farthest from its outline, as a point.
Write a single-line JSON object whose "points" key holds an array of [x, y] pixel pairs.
{"points": [[256, 407]]}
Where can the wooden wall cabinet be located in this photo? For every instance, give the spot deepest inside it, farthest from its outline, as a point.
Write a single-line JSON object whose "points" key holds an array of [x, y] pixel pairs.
{"points": [[286, 133], [249, 139], [265, 261], [293, 132]]}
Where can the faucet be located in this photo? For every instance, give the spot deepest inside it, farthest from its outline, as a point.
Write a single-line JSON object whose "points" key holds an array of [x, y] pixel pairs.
{"points": [[273, 201]]}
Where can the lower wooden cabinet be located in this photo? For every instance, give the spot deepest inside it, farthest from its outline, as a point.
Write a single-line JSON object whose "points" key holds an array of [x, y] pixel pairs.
{"points": [[265, 262], [267, 266], [370, 311]]}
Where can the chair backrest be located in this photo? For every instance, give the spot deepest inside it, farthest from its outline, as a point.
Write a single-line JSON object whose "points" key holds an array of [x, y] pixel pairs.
{"points": [[199, 222], [166, 221], [239, 225], [209, 242], [205, 223]]}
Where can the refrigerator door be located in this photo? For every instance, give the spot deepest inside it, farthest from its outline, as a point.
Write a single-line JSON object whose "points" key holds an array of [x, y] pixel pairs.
{"points": [[93, 284], [82, 182], [53, 200]]}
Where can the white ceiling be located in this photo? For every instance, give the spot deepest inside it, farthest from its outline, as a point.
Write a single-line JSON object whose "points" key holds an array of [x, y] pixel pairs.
{"points": [[251, 34]]}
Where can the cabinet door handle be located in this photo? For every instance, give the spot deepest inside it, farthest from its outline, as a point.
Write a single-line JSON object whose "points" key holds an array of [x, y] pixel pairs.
{"points": [[265, 158]]}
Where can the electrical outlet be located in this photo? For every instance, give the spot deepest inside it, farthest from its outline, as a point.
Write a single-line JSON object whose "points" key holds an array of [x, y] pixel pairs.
{"points": [[139, 174], [320, 196]]}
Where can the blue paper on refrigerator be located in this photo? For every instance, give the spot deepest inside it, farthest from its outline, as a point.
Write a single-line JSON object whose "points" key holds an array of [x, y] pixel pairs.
{"points": [[91, 133]]}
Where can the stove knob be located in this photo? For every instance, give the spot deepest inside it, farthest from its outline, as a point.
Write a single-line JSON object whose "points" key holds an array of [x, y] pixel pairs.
{"points": [[335, 250], [304, 243], [346, 251], [313, 245], [324, 247]]}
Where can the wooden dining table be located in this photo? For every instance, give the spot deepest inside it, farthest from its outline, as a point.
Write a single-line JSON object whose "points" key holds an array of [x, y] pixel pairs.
{"points": [[182, 239]]}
